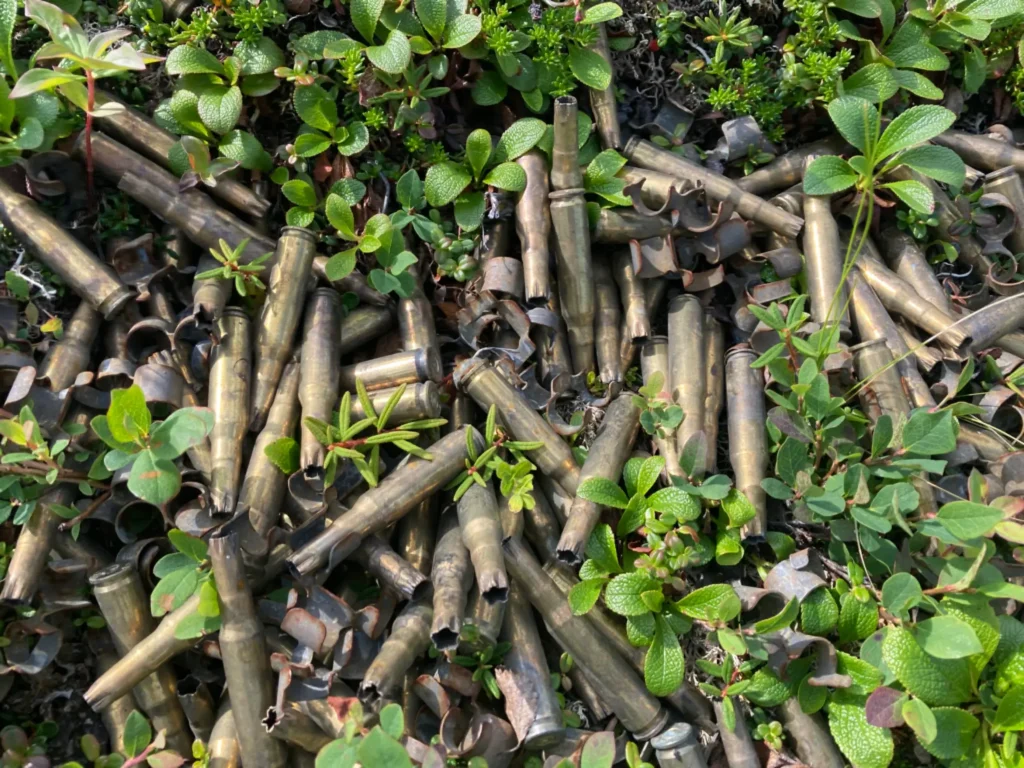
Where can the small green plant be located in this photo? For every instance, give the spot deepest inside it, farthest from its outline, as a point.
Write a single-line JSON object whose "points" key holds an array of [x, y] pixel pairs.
{"points": [[658, 414], [378, 745], [916, 223], [483, 663], [598, 752], [181, 574], [202, 170], [21, 750], [244, 275], [730, 34], [140, 746]]}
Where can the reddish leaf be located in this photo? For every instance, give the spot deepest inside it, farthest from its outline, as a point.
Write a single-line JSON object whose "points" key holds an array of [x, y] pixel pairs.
{"points": [[883, 706]]}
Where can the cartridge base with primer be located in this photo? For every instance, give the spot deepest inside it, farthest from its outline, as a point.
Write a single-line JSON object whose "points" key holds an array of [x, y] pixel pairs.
{"points": [[533, 227], [279, 319], [230, 375], [748, 443], [125, 606], [486, 384], [451, 576], [396, 495], [78, 267], [686, 362], [717, 187], [390, 371], [621, 688], [608, 454], [677, 747], [320, 374]]}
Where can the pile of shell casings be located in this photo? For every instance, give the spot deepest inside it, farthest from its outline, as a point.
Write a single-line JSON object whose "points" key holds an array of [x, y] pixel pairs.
{"points": [[374, 577]]}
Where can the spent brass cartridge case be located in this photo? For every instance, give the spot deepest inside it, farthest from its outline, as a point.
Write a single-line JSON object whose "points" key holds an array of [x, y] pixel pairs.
{"points": [[230, 373], [541, 526], [718, 187], [419, 401], [788, 169], [565, 153], [527, 673], [533, 226], [416, 533], [907, 260], [244, 654], [624, 225], [409, 639], [606, 324], [209, 295], [123, 602], [654, 358], [620, 687], [714, 377], [553, 342], [451, 577], [677, 747], [487, 386], [989, 324], [737, 743], [748, 445], [362, 325], [814, 745], [882, 391], [115, 717], [607, 456], [264, 485], [482, 534], [602, 102], [636, 323], [320, 372], [135, 130], [223, 746], [823, 257], [416, 319], [1007, 182], [77, 266], [687, 363], [390, 569], [279, 319], [293, 726], [390, 371], [394, 497], [36, 539], [654, 294], [198, 705], [485, 614], [354, 282], [981, 151], [70, 356]]}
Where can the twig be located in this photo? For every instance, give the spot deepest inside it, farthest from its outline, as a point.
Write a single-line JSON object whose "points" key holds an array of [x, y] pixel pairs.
{"points": [[100, 500]]}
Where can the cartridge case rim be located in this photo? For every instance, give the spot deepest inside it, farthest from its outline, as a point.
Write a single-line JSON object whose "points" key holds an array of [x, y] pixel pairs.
{"points": [[108, 577], [566, 193], [295, 231]]}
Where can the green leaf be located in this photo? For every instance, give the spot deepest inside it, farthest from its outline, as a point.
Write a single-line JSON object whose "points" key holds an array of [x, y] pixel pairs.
{"points": [[182, 430], [445, 182], [954, 730], [189, 60], [938, 163], [677, 502], [857, 619], [601, 13], [209, 604], [193, 548], [590, 68], [914, 126], [829, 174], [489, 89], [392, 721], [856, 119], [36, 80], [173, 590], [315, 107], [917, 84], [900, 593], [245, 149], [937, 682], [311, 144], [968, 520], [601, 549], [284, 454], [432, 15], [128, 416], [738, 508], [154, 480], [865, 745], [929, 434], [462, 31], [409, 189], [356, 140], [766, 690], [137, 734], [1010, 713], [378, 748], [196, 626], [663, 664], [602, 491], [947, 637], [649, 473], [299, 192], [623, 593], [519, 138], [365, 14], [507, 176], [392, 57], [991, 10], [875, 83], [478, 150], [710, 603], [585, 594], [819, 613], [914, 194]]}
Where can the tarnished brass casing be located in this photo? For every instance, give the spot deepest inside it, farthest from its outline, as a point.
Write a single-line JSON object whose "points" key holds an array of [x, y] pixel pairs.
{"points": [[482, 535], [320, 372], [419, 401], [686, 362], [748, 444], [602, 102], [416, 320], [654, 358], [714, 377], [451, 577], [390, 371], [409, 639], [35, 540], [823, 256], [230, 374], [390, 569], [223, 746], [981, 151], [70, 356], [606, 324], [788, 169], [636, 323], [1007, 182], [905, 257], [362, 325], [115, 717], [533, 226]]}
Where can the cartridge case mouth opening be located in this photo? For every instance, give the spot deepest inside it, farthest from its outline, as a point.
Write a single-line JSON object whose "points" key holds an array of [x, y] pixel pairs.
{"points": [[568, 557], [494, 595], [115, 302], [298, 232], [148, 337], [544, 732], [111, 575], [420, 590], [740, 350], [445, 639], [466, 370], [631, 145], [566, 102]]}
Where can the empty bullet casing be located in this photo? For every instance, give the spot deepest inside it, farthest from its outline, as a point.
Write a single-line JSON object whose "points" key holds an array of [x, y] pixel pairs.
{"points": [[36, 539], [814, 745], [230, 373], [533, 226], [881, 392], [264, 485], [122, 601], [714, 377], [639, 711], [293, 726], [384, 505], [654, 359], [527, 676], [602, 102], [137, 131], [485, 614], [451, 577], [487, 386], [78, 267], [736, 743], [391, 570], [1007, 182], [823, 256], [607, 456], [624, 225], [70, 356], [419, 401], [677, 747], [409, 639], [244, 654], [654, 294], [606, 324], [748, 446], [275, 331], [362, 325], [686, 362], [390, 371], [636, 323], [482, 534], [320, 372], [718, 187], [572, 237], [985, 326], [905, 257], [416, 320], [115, 717], [200, 710], [223, 745], [788, 169], [981, 151]]}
